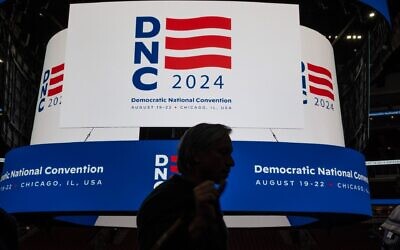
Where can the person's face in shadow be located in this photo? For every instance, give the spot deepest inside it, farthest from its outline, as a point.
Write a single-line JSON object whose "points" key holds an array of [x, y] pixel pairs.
{"points": [[215, 163]]}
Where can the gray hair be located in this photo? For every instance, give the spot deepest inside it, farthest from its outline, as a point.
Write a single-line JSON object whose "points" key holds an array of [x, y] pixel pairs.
{"points": [[197, 139]]}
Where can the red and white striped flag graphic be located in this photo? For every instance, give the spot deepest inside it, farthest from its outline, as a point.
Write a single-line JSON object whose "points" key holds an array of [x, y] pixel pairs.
{"points": [[198, 43], [320, 81], [56, 77]]}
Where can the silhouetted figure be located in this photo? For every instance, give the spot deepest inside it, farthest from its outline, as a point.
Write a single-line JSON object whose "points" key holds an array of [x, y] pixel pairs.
{"points": [[391, 235], [184, 212], [8, 231]]}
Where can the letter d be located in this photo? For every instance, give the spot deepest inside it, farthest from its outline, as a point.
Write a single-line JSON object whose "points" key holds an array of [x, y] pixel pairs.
{"points": [[161, 160], [257, 169], [46, 76], [140, 20]]}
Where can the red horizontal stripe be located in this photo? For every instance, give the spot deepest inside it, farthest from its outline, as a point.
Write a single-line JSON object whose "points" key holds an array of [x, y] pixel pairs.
{"points": [[204, 22], [319, 80], [322, 92], [57, 68], [320, 70], [173, 158], [198, 42], [56, 79], [174, 169], [55, 91], [194, 62]]}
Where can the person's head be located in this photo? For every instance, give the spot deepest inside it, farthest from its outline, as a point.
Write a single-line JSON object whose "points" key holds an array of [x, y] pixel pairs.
{"points": [[204, 152]]}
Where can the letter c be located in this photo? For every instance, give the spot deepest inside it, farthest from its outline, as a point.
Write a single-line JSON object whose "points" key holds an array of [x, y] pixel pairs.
{"points": [[137, 78], [41, 105], [157, 183]]}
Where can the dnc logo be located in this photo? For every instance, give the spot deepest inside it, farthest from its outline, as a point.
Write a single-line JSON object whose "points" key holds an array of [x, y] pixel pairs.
{"points": [[317, 81], [51, 87], [180, 39], [164, 167]]}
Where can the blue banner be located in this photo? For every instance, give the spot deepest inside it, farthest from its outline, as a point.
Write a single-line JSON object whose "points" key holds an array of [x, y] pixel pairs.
{"points": [[99, 177]]}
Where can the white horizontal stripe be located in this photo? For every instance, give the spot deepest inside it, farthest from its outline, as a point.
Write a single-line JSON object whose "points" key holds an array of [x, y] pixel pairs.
{"points": [[240, 221], [200, 32], [197, 52], [57, 74], [116, 221], [310, 72], [232, 221], [320, 86]]}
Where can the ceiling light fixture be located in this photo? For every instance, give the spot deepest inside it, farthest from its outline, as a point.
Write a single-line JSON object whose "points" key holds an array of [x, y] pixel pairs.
{"points": [[382, 162]]}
